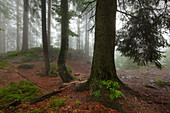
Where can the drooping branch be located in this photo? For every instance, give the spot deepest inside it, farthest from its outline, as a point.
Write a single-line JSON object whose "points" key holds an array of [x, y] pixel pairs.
{"points": [[87, 4]]}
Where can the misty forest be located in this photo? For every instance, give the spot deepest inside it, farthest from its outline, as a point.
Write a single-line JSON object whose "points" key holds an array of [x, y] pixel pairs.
{"points": [[84, 56]]}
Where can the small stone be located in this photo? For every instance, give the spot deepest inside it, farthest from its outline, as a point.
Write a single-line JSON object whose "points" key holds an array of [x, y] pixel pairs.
{"points": [[77, 74], [137, 77], [150, 86], [152, 81]]}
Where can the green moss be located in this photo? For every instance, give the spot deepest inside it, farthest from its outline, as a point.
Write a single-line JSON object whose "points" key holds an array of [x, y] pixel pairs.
{"points": [[56, 103], [160, 81], [22, 90], [77, 102], [53, 66], [69, 69], [31, 58], [54, 72]]}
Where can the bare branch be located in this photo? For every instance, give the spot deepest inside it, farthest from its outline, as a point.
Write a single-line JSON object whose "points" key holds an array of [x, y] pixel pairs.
{"points": [[126, 14], [88, 3]]}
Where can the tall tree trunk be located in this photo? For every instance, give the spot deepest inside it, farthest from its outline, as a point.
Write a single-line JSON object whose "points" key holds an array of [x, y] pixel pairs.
{"points": [[1, 31], [78, 32], [4, 34], [49, 22], [65, 76], [44, 38], [103, 65], [25, 26], [18, 37], [87, 38]]}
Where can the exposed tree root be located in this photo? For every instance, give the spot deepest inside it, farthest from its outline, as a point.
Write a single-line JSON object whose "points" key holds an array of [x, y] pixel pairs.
{"points": [[27, 78]]}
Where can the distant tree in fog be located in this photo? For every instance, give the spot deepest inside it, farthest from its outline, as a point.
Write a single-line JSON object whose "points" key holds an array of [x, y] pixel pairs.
{"points": [[44, 38], [25, 26]]}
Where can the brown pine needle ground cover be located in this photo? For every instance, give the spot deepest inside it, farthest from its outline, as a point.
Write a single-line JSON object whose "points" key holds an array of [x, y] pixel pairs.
{"points": [[145, 100]]}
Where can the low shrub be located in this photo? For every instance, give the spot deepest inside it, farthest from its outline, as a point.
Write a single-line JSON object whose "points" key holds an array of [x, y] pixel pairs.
{"points": [[109, 87]]}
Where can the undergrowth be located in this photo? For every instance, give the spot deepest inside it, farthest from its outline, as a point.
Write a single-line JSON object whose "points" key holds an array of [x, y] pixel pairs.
{"points": [[110, 87], [56, 103]]}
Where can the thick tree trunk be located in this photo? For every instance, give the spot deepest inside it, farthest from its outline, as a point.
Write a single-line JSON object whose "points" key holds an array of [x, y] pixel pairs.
{"points": [[44, 38], [18, 37], [25, 26], [103, 66], [49, 23], [65, 76]]}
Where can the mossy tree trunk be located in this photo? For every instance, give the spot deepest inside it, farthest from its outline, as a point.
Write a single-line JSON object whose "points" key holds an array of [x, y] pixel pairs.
{"points": [[44, 38], [103, 65], [64, 74]]}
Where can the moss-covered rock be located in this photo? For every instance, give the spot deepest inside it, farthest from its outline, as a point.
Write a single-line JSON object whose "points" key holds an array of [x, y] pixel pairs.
{"points": [[26, 66], [31, 58]]}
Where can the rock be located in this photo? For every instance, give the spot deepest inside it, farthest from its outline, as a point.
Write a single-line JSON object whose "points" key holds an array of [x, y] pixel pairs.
{"points": [[152, 81], [150, 86], [149, 102], [123, 77], [137, 77], [26, 66], [77, 74]]}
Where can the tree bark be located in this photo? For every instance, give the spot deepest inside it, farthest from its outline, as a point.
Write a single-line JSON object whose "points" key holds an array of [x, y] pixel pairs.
{"points": [[25, 26], [49, 22], [78, 32], [103, 65], [4, 35], [44, 38], [87, 38], [65, 76], [1, 31], [18, 37]]}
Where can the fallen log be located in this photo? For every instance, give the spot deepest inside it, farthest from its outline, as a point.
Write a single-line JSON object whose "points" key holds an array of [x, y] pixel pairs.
{"points": [[34, 100], [45, 96], [13, 104]]}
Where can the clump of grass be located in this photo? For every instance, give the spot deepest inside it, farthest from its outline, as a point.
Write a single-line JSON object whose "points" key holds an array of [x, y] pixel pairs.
{"points": [[22, 90], [56, 103], [160, 81], [77, 102]]}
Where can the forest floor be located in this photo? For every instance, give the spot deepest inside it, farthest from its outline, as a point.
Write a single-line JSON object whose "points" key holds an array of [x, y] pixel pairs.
{"points": [[149, 96]]}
